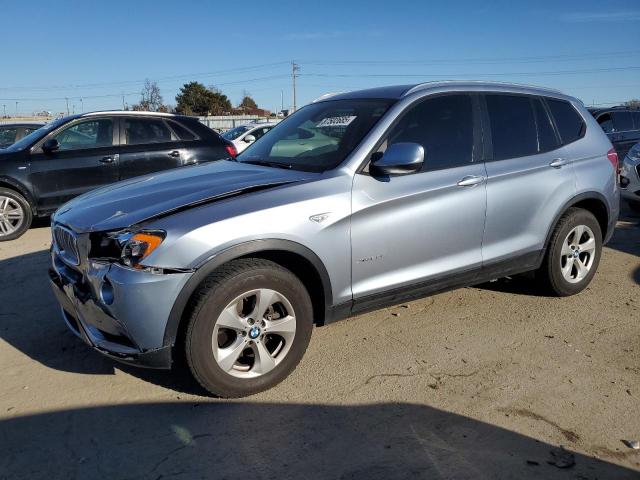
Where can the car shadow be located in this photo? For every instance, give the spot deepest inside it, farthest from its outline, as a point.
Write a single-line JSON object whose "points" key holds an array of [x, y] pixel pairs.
{"points": [[229, 440], [31, 322]]}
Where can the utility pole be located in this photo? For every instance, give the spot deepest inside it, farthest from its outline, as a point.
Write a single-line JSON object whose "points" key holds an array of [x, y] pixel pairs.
{"points": [[295, 68], [281, 100], [81, 105], [67, 99], [123, 102], [4, 108], [16, 109]]}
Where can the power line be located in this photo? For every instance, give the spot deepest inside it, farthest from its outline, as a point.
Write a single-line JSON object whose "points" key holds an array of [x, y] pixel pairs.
{"points": [[453, 75]]}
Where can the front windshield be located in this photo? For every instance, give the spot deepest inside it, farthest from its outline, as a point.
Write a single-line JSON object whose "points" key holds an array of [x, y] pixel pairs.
{"points": [[235, 132], [319, 136], [34, 136]]}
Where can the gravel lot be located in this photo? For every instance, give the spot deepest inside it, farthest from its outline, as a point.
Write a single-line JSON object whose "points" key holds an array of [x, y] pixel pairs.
{"points": [[495, 381]]}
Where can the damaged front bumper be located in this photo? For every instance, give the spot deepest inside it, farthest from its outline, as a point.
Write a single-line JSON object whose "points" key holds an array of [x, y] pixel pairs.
{"points": [[119, 311]]}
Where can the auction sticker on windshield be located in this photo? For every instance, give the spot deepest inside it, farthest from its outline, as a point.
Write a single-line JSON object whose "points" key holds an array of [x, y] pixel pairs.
{"points": [[336, 121]]}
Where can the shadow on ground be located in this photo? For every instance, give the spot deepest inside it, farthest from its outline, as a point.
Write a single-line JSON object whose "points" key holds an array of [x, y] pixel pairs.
{"points": [[269, 441]]}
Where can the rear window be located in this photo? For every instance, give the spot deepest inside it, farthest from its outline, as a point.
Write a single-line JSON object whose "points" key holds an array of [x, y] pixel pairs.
{"points": [[513, 126], [146, 130], [568, 122], [181, 131], [622, 121], [547, 139]]}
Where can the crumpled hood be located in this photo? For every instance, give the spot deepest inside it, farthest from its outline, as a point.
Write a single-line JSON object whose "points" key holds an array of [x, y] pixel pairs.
{"points": [[133, 201]]}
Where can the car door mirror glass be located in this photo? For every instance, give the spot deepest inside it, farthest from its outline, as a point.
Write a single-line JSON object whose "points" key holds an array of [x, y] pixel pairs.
{"points": [[399, 159], [51, 145], [249, 139]]}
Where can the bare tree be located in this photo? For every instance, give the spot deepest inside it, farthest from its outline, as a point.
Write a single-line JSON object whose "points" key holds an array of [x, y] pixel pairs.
{"points": [[635, 103], [150, 98]]}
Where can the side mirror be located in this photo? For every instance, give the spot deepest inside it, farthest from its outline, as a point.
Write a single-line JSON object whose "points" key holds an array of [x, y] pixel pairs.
{"points": [[50, 145], [399, 159], [249, 138]]}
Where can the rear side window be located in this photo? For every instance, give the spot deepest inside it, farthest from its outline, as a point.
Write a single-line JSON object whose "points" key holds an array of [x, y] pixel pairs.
{"points": [[513, 126], [568, 122], [622, 121], [443, 126], [181, 131], [146, 130], [547, 139]]}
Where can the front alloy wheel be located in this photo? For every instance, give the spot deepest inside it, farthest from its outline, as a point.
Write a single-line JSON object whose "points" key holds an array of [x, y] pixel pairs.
{"points": [[249, 325]]}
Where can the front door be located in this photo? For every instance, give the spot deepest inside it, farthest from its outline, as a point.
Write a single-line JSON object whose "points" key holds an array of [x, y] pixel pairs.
{"points": [[424, 228], [86, 159]]}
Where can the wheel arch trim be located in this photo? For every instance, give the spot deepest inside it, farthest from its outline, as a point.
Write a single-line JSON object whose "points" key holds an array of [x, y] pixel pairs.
{"points": [[245, 249], [12, 184]]}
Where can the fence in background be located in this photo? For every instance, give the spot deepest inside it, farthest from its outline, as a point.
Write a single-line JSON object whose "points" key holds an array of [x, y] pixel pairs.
{"points": [[226, 122]]}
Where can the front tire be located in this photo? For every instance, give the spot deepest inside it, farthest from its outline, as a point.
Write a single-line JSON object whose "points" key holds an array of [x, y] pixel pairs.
{"points": [[250, 323], [573, 253], [15, 215]]}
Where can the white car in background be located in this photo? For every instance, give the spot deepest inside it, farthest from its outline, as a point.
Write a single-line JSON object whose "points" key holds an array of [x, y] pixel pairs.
{"points": [[245, 135], [630, 178]]}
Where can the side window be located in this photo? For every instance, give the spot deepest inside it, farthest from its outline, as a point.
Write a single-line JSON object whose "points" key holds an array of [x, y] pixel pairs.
{"points": [[568, 122], [443, 126], [7, 136], [87, 134], [146, 130], [636, 120], [28, 130], [622, 121], [181, 131], [258, 132], [513, 126], [547, 139], [606, 123]]}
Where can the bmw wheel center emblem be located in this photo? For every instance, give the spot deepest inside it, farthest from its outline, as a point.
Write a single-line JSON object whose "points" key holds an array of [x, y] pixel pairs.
{"points": [[254, 333]]}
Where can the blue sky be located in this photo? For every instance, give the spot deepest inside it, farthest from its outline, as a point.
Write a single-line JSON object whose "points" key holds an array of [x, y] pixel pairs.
{"points": [[98, 51]]}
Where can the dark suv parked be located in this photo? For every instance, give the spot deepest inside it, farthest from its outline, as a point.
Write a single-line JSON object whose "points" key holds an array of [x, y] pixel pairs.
{"points": [[76, 154], [622, 126]]}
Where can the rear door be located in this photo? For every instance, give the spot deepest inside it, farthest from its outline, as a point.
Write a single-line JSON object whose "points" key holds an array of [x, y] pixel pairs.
{"points": [[529, 178], [425, 227], [148, 145], [86, 159]]}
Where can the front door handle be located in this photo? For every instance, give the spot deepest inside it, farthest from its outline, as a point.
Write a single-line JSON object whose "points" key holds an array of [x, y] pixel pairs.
{"points": [[470, 181], [558, 163], [174, 154], [106, 160]]}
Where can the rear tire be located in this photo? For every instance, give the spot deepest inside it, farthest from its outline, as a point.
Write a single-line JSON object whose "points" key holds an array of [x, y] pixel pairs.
{"points": [[250, 323], [573, 253], [15, 215]]}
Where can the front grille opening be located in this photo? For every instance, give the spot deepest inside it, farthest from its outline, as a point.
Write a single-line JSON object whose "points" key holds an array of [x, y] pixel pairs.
{"points": [[66, 245]]}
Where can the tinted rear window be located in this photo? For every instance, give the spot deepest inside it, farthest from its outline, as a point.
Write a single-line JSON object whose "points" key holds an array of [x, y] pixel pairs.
{"points": [[181, 131], [568, 122], [547, 139], [622, 121], [146, 130], [513, 126]]}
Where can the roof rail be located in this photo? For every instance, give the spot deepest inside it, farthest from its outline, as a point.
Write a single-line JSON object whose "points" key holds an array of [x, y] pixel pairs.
{"points": [[126, 112], [435, 83]]}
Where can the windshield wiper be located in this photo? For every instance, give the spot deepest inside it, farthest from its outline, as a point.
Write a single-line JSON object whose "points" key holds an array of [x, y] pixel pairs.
{"points": [[266, 163]]}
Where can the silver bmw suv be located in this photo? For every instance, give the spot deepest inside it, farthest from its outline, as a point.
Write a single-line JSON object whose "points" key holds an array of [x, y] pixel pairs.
{"points": [[356, 201]]}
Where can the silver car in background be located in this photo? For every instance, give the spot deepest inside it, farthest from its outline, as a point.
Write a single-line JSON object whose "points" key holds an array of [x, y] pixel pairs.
{"points": [[356, 201], [630, 178]]}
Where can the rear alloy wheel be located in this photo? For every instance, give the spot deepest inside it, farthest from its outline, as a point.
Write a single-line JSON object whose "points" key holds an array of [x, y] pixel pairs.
{"points": [[250, 324], [573, 253], [15, 215]]}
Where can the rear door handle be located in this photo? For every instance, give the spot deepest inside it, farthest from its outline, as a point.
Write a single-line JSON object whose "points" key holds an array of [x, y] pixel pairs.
{"points": [[470, 181], [558, 162], [174, 154]]}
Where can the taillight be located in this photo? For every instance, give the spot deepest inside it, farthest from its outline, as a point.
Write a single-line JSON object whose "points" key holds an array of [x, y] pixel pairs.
{"points": [[233, 151], [612, 155]]}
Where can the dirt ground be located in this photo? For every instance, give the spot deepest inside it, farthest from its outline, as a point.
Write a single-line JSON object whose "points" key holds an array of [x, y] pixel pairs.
{"points": [[495, 381]]}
